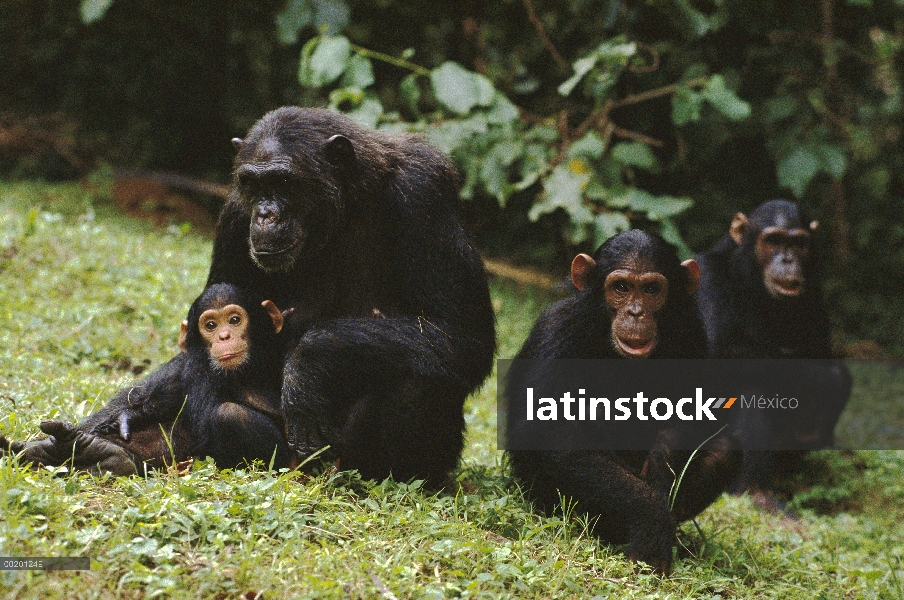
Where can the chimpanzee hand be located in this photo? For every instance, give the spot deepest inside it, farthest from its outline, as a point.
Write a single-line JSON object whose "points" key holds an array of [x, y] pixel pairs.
{"points": [[77, 449], [295, 323], [307, 440], [652, 541]]}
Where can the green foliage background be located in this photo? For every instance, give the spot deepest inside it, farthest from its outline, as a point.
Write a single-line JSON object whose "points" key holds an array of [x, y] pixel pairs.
{"points": [[571, 120]]}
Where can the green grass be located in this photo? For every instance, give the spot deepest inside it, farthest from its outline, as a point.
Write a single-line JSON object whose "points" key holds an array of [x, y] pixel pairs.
{"points": [[86, 295]]}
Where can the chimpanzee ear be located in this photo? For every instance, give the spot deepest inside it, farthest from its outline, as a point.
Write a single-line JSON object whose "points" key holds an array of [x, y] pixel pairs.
{"points": [[183, 335], [693, 275], [339, 151], [814, 225], [237, 143], [275, 315], [580, 270], [738, 228]]}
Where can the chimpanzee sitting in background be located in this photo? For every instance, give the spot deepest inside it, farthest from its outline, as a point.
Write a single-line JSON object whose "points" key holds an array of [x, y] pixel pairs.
{"points": [[632, 299], [760, 298], [218, 398], [331, 220], [758, 293]]}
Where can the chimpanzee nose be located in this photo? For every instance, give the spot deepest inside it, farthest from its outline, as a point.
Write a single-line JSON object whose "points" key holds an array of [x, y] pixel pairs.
{"points": [[264, 215]]}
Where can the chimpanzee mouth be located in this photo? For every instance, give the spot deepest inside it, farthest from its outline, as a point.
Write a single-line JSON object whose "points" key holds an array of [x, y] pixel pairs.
{"points": [[790, 287], [270, 253], [227, 360], [636, 348]]}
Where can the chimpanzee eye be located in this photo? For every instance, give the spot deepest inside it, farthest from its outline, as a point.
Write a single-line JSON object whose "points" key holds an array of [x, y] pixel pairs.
{"points": [[210, 325], [775, 239], [621, 287], [279, 182], [652, 289], [235, 320], [248, 184]]}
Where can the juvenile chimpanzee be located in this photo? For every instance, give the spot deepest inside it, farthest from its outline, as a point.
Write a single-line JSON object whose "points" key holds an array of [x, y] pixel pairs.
{"points": [[219, 398], [632, 299], [331, 220], [760, 298]]}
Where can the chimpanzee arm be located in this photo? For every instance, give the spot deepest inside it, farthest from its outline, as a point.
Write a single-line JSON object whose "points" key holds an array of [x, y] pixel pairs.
{"points": [[410, 360], [155, 399], [629, 508]]}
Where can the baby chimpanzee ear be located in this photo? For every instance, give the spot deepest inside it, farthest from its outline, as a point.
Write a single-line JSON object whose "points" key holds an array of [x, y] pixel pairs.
{"points": [[183, 335], [693, 275], [580, 270], [275, 315]]}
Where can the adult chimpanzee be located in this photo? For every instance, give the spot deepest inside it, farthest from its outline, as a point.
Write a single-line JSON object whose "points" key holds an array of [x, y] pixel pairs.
{"points": [[331, 220], [760, 298], [758, 295], [632, 299], [219, 398]]}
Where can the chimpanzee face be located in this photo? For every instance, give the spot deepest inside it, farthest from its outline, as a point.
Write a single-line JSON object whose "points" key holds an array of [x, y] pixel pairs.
{"points": [[280, 211], [634, 296], [225, 331], [776, 238], [291, 194], [223, 326], [635, 292], [782, 253]]}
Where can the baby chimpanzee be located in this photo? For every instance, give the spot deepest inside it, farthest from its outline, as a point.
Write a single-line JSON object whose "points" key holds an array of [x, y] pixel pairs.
{"points": [[218, 398]]}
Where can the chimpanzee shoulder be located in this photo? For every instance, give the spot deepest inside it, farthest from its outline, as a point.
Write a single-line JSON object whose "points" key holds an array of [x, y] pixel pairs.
{"points": [[716, 293]]}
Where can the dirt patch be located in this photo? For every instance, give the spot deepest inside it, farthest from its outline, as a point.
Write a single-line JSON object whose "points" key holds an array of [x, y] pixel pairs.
{"points": [[156, 202]]}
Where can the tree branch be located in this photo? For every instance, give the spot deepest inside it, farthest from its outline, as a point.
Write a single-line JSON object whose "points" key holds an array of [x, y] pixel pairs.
{"points": [[392, 60], [665, 90], [840, 225], [541, 31], [634, 135]]}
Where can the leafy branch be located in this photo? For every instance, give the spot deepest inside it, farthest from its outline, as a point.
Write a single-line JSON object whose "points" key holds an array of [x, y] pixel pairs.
{"points": [[503, 149], [392, 60]]}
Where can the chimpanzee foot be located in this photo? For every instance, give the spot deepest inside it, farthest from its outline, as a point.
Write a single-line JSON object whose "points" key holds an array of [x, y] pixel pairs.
{"points": [[73, 448]]}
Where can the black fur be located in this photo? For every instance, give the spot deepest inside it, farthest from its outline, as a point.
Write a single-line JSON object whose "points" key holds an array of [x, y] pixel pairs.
{"points": [[743, 321], [231, 416], [574, 327], [392, 325], [625, 493]]}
